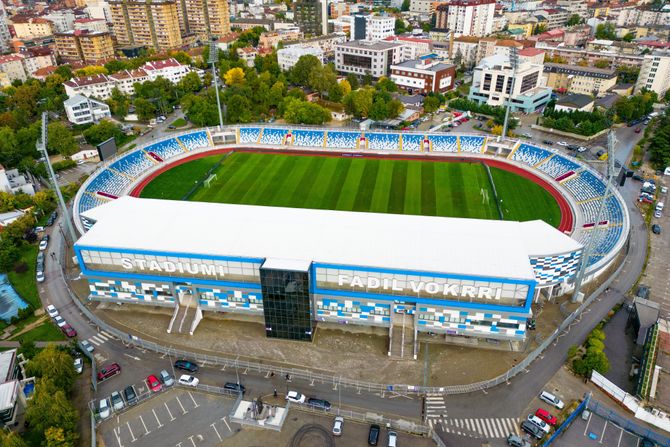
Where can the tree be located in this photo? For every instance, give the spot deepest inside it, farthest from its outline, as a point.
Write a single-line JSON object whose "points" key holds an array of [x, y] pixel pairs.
{"points": [[201, 110], [606, 30], [102, 131], [145, 109], [239, 109], [628, 37], [386, 85], [352, 79], [65, 71], [190, 83], [91, 70], [601, 63], [45, 201], [431, 104], [50, 407], [627, 73], [405, 5], [379, 110], [321, 78], [118, 103], [539, 29], [400, 27], [574, 19], [57, 437], [60, 140], [11, 439], [302, 112], [234, 76], [9, 254], [54, 365], [299, 74], [345, 86]]}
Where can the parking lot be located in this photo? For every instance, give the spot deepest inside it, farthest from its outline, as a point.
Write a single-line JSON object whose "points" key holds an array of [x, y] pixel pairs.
{"points": [[596, 431], [657, 275], [177, 417]]}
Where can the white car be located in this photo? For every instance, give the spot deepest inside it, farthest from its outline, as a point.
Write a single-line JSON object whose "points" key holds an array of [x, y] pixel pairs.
{"points": [[527, 135], [39, 229], [188, 380], [52, 311], [337, 426], [79, 365], [104, 410], [658, 214], [59, 321], [294, 396], [539, 422], [43, 244], [393, 439], [87, 346], [562, 143], [39, 276], [582, 149], [80, 162]]}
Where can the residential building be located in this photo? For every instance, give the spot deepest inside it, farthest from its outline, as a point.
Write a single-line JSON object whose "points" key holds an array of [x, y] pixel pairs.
{"points": [[466, 17], [424, 76], [327, 43], [154, 24], [169, 69], [655, 72], [37, 58], [12, 398], [379, 27], [311, 16], [89, 47], [125, 80], [532, 55], [82, 110], [363, 57], [62, 19], [248, 55], [424, 7], [287, 57], [575, 103], [11, 69], [505, 47], [99, 9], [31, 27], [224, 42], [573, 7], [5, 35], [644, 16], [339, 9], [272, 39], [414, 46], [94, 25], [554, 18], [12, 181], [98, 86], [575, 55], [492, 84], [247, 24], [578, 79], [203, 18], [524, 28]]}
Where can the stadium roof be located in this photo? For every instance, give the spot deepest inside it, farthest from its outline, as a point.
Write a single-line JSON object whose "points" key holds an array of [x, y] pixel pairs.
{"points": [[488, 248]]}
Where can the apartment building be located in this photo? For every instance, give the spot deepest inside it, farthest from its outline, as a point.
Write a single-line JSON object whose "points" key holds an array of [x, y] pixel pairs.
{"points": [[90, 24], [271, 40], [414, 46], [423, 7], [581, 80], [125, 80], [82, 110], [31, 27], [362, 57], [154, 24], [37, 58], [655, 73], [90, 47], [288, 57], [311, 16], [203, 18], [464, 50], [492, 84], [11, 69], [327, 43], [62, 19], [466, 17], [644, 16], [5, 35], [248, 55], [424, 76]]}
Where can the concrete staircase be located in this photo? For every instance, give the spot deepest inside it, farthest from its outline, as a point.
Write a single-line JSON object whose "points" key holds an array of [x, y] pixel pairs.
{"points": [[402, 337], [187, 315]]}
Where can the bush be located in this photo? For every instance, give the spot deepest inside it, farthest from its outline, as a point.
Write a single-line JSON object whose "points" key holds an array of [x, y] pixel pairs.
{"points": [[581, 123], [63, 164]]}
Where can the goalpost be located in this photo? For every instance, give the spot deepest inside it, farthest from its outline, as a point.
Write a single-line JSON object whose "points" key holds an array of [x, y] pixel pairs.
{"points": [[209, 180]]}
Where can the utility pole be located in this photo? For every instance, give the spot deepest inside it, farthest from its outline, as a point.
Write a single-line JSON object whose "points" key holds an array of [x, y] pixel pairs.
{"points": [[214, 59], [595, 232], [514, 61], [42, 147]]}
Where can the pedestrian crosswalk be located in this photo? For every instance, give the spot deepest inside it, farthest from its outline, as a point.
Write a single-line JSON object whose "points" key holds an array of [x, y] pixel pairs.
{"points": [[489, 428], [435, 406], [100, 338]]}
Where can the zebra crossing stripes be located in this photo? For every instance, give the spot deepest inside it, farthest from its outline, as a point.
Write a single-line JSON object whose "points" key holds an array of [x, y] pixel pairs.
{"points": [[489, 428], [100, 338], [435, 406]]}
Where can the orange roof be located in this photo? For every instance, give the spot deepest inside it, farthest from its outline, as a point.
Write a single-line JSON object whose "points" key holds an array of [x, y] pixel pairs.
{"points": [[530, 52], [508, 43]]}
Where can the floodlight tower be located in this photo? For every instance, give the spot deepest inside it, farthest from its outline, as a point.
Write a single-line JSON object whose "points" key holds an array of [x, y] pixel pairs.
{"points": [[42, 147], [214, 59], [514, 61], [595, 232]]}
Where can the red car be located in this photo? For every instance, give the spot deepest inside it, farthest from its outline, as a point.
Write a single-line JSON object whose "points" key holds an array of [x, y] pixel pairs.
{"points": [[69, 331], [546, 416], [154, 384]]}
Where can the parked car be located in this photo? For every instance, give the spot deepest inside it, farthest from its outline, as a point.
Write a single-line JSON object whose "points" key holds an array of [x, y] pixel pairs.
{"points": [[642, 291], [656, 229], [39, 276], [637, 177], [130, 395], [166, 378], [318, 404], [79, 365], [393, 439], [539, 422], [117, 401], [581, 149], [238, 387], [338, 425], [59, 321], [548, 142], [517, 441], [109, 371], [551, 399], [573, 147], [638, 129], [69, 331], [153, 383], [294, 396], [88, 347], [187, 380], [527, 135], [39, 229], [44, 243], [658, 214], [104, 410], [562, 143], [546, 416], [373, 434], [185, 365], [532, 429]]}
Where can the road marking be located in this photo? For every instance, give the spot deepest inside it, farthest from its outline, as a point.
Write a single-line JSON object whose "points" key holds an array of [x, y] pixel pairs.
{"points": [[101, 336], [194, 402], [169, 412], [226, 422], [182, 407], [131, 432], [145, 426], [131, 356], [95, 342], [108, 334], [117, 432], [215, 430], [603, 434], [192, 441], [159, 422], [620, 436], [587, 424]]}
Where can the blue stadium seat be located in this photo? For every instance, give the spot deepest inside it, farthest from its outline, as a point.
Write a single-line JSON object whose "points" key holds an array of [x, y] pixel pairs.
{"points": [[273, 136], [249, 134], [443, 143], [89, 201], [133, 164], [412, 142], [471, 144], [343, 140], [308, 138], [557, 166], [195, 140], [585, 186], [531, 155], [383, 141], [110, 182], [165, 149]]}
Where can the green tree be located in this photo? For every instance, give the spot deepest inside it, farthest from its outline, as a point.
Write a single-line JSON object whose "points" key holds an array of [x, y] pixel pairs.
{"points": [[628, 37], [431, 104], [299, 74], [539, 29], [239, 109], [297, 111], [57, 437], [65, 71], [201, 110], [60, 140], [352, 79], [55, 365], [379, 110], [386, 85], [190, 83], [118, 103], [9, 255], [405, 5], [601, 63], [102, 131], [322, 78], [400, 27], [359, 102], [50, 407], [574, 19], [11, 439], [145, 109], [606, 30]]}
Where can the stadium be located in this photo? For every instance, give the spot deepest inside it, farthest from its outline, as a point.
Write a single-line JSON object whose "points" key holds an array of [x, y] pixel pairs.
{"points": [[297, 227]]}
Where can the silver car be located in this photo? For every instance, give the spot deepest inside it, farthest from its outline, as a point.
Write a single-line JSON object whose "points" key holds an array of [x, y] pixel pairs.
{"points": [[117, 401], [166, 378]]}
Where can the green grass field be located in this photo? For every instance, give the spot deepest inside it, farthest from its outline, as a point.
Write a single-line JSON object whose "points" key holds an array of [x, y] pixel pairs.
{"points": [[359, 184]]}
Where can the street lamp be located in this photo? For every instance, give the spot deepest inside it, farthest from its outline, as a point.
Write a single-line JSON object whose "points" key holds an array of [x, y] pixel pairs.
{"points": [[214, 59], [514, 61]]}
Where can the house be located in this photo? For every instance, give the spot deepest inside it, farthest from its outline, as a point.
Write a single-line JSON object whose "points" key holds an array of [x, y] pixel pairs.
{"points": [[424, 75], [12, 399], [82, 110], [13, 182], [575, 102]]}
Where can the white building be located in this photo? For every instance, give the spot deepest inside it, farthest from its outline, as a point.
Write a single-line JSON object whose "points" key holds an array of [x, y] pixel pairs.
{"points": [[288, 57], [99, 9], [91, 24], [414, 46], [11, 69], [248, 55], [125, 80], [362, 57], [655, 73], [83, 110], [421, 6], [379, 27], [464, 50], [13, 182], [98, 86], [63, 19], [169, 69], [5, 36], [466, 17]]}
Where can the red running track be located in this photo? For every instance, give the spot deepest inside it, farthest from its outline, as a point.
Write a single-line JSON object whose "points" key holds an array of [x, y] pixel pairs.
{"points": [[567, 218]]}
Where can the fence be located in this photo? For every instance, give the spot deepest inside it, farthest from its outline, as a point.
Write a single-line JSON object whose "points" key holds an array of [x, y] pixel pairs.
{"points": [[625, 423], [568, 421]]}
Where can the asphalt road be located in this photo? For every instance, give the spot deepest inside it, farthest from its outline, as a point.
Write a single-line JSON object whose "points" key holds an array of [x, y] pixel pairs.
{"points": [[504, 401]]}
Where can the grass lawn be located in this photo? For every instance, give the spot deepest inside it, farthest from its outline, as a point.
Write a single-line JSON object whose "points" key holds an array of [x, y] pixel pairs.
{"points": [[179, 122], [47, 331], [358, 184], [24, 283]]}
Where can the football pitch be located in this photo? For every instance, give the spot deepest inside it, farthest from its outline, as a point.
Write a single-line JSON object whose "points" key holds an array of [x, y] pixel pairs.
{"points": [[448, 189]]}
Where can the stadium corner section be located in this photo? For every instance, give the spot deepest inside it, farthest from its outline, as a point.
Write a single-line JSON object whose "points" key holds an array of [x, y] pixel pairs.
{"points": [[567, 218]]}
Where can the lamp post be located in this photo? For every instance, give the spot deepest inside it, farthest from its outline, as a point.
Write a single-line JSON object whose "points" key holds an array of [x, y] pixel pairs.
{"points": [[514, 61], [213, 59]]}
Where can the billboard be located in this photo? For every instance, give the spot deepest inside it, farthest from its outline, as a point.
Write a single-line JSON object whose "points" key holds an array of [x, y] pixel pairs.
{"points": [[107, 149]]}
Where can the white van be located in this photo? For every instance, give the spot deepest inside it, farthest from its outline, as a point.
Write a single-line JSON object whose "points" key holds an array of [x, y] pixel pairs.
{"points": [[659, 206], [552, 400]]}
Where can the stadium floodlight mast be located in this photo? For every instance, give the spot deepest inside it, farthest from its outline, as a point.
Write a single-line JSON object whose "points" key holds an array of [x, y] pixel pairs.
{"points": [[42, 147], [596, 231], [514, 61], [214, 59]]}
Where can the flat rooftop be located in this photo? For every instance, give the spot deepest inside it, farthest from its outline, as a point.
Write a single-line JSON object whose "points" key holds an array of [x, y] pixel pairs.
{"points": [[498, 249]]}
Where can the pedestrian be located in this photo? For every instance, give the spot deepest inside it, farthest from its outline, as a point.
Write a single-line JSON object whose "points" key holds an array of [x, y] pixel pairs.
{"points": [[272, 373], [275, 392]]}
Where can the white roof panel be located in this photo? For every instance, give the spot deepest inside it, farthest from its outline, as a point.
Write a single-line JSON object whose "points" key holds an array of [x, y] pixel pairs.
{"points": [[430, 244]]}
